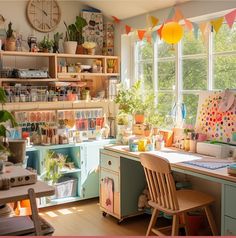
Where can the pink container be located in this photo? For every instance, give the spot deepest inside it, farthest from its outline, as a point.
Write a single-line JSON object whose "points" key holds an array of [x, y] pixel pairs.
{"points": [[201, 137]]}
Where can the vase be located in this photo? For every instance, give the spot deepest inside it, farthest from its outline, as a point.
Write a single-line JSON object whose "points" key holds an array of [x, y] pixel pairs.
{"points": [[91, 51], [10, 44], [110, 70], [70, 47]]}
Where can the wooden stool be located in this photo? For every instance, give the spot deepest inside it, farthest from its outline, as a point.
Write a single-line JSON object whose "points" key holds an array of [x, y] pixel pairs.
{"points": [[165, 198]]}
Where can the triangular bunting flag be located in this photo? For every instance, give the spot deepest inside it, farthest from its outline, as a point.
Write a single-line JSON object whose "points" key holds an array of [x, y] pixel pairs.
{"points": [[217, 23], [154, 21], [141, 34], [154, 36], [116, 20], [188, 24], [178, 15], [160, 30], [195, 29], [171, 14], [203, 27], [127, 29], [230, 18]]}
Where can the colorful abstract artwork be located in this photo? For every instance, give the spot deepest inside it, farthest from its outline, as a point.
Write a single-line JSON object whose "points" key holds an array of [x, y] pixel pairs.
{"points": [[217, 124]]}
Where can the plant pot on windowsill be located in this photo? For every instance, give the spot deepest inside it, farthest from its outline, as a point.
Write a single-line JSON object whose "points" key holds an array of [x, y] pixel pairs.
{"points": [[110, 70]]}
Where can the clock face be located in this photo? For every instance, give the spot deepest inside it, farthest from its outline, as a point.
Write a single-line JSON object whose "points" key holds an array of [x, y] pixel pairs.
{"points": [[43, 15]]}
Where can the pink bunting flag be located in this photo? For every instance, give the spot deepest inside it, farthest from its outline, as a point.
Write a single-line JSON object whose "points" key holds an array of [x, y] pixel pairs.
{"points": [[141, 34], [188, 24], [230, 18], [178, 15], [217, 23], [127, 29], [116, 20]]}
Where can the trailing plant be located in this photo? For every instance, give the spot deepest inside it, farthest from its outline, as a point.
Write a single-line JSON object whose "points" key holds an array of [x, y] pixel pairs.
{"points": [[74, 31], [54, 163], [5, 117]]}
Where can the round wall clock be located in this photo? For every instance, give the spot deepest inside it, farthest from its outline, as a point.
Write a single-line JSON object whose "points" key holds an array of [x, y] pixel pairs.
{"points": [[43, 15]]}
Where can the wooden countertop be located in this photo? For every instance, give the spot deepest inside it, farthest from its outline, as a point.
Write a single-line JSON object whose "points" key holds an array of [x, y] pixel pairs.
{"points": [[177, 157]]}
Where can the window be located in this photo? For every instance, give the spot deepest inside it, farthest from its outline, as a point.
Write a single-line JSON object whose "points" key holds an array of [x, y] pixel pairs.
{"points": [[177, 75]]}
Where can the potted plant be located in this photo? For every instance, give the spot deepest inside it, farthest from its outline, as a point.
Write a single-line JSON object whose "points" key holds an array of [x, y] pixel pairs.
{"points": [[57, 37], [46, 44], [74, 36], [110, 65], [5, 116], [89, 47], [10, 44]]}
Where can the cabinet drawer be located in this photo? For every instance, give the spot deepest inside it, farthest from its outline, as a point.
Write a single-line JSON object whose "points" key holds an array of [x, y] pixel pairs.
{"points": [[230, 226], [110, 162], [230, 197], [112, 175]]}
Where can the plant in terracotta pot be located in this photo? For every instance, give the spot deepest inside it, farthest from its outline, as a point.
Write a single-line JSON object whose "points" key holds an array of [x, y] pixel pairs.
{"points": [[110, 65], [5, 117], [74, 36], [46, 44], [89, 47], [10, 44]]}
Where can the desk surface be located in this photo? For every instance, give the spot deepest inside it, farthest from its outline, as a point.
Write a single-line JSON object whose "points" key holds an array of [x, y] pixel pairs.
{"points": [[21, 192], [176, 159]]}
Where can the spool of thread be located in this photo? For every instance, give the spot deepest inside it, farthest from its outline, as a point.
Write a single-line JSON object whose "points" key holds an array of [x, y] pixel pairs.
{"points": [[192, 146]]}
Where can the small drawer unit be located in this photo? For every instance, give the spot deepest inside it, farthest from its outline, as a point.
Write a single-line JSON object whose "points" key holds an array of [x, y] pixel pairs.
{"points": [[229, 204], [230, 226], [110, 162]]}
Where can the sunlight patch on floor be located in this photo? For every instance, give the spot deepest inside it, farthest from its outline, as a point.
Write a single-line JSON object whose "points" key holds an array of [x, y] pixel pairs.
{"points": [[65, 211]]}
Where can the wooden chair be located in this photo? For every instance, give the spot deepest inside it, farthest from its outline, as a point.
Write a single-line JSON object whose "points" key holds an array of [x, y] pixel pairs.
{"points": [[165, 198], [26, 225]]}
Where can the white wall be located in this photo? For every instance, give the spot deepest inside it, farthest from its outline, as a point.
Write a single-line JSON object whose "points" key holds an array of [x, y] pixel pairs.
{"points": [[192, 9], [15, 11]]}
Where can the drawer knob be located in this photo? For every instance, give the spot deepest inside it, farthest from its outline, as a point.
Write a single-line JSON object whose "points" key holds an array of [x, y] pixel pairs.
{"points": [[109, 162]]}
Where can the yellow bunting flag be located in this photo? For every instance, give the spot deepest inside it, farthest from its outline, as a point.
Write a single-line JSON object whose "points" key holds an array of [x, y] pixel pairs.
{"points": [[178, 15], [160, 30], [154, 21], [141, 34], [127, 29], [217, 23], [116, 20], [188, 24]]}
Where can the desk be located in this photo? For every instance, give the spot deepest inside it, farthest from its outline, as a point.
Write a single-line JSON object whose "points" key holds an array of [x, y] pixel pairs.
{"points": [[40, 189], [125, 169]]}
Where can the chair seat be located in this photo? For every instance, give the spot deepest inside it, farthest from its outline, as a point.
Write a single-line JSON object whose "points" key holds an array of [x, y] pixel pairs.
{"points": [[188, 200]]}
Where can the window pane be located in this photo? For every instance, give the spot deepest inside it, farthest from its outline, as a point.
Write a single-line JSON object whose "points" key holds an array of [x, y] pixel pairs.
{"points": [[165, 105], [191, 45], [224, 72], [166, 75], [225, 39], [145, 50], [191, 103], [145, 73], [194, 74], [165, 50]]}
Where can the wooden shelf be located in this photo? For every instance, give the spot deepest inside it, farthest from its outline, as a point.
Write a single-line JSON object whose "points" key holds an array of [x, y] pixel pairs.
{"points": [[18, 80], [30, 54]]}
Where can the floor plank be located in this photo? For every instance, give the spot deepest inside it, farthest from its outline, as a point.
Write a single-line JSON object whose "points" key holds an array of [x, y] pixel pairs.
{"points": [[85, 218]]}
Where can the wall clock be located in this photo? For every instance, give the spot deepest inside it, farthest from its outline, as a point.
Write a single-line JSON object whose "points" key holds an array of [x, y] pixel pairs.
{"points": [[43, 15]]}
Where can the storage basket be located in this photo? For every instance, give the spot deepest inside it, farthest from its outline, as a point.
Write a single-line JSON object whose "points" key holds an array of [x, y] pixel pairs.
{"points": [[66, 187]]}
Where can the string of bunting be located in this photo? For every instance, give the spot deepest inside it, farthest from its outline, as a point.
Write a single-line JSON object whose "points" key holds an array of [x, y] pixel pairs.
{"points": [[171, 30]]}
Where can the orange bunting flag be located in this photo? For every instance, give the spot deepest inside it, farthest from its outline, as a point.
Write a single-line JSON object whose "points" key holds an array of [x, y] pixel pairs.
{"points": [[203, 27], [160, 30], [178, 15], [230, 18], [127, 29], [116, 20], [141, 34], [188, 24], [217, 23], [154, 21]]}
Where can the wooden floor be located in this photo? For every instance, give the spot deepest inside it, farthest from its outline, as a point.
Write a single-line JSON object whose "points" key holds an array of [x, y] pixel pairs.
{"points": [[85, 218]]}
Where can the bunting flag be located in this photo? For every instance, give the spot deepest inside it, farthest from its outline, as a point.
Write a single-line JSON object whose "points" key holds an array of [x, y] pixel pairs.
{"points": [[178, 15], [159, 31], [127, 29], [230, 18], [116, 20], [154, 36], [141, 34], [217, 23], [195, 30], [188, 24], [171, 14], [203, 27], [154, 21]]}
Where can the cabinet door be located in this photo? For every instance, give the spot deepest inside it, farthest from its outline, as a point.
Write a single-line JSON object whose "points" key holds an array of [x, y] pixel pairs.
{"points": [[106, 194], [230, 226]]}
